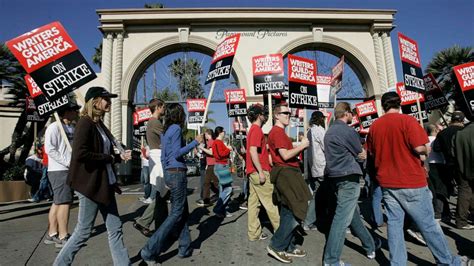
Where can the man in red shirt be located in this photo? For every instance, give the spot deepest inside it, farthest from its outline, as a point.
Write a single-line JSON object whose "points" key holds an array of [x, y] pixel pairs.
{"points": [[396, 141], [258, 168], [293, 193]]}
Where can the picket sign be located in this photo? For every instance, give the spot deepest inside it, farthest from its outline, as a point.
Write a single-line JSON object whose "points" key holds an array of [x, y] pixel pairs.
{"points": [[207, 105], [419, 112]]}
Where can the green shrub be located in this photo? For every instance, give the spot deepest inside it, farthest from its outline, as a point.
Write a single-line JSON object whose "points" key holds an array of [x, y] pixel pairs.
{"points": [[14, 173]]}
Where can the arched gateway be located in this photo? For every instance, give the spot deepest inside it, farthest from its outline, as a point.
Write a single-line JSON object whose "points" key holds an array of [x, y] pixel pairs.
{"points": [[133, 38]]}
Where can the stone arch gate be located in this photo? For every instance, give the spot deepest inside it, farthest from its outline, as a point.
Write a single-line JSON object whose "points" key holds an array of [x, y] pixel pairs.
{"points": [[134, 38]]}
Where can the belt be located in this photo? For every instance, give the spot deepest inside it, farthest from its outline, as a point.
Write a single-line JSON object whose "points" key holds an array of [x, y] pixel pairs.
{"points": [[177, 169]]}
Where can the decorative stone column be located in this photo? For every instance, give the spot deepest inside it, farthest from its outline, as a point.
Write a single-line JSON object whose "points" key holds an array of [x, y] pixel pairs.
{"points": [[117, 87], [389, 63], [106, 68], [379, 60]]}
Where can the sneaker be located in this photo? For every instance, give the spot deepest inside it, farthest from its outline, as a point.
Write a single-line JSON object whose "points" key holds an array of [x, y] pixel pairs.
{"points": [[151, 263], [417, 236], [465, 261], [378, 245], [280, 256], [142, 199], [262, 236], [467, 227], [62, 241], [243, 206], [310, 227], [145, 231], [33, 200], [48, 240], [147, 201], [298, 253], [203, 203], [371, 255]]}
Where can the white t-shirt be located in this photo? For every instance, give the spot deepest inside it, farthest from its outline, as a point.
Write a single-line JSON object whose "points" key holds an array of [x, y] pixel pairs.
{"points": [[59, 156]]}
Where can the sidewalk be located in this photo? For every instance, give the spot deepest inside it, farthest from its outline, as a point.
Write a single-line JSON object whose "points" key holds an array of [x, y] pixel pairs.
{"points": [[23, 226]]}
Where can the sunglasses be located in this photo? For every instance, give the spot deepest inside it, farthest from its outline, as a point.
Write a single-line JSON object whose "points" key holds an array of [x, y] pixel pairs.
{"points": [[284, 113]]}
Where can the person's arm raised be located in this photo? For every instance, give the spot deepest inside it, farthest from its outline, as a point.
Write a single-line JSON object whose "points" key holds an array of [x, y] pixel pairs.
{"points": [[288, 154]]}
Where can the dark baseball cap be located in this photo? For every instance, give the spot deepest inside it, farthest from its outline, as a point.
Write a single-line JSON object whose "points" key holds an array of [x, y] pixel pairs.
{"points": [[457, 116], [98, 92], [317, 114]]}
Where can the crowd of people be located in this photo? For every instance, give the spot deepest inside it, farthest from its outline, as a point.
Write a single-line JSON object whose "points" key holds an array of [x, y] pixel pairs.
{"points": [[412, 173]]}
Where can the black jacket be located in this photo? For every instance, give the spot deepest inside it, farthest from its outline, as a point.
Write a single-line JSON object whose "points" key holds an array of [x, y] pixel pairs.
{"points": [[464, 148], [87, 172]]}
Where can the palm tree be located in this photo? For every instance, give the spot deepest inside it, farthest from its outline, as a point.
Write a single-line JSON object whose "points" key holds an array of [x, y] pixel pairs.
{"points": [[441, 66], [166, 95], [97, 57], [188, 75]]}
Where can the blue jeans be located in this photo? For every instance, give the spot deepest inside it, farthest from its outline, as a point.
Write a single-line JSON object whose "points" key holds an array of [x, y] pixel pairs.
{"points": [[145, 180], [44, 189], [175, 224], [416, 202], [225, 190], [313, 184], [284, 237], [347, 214], [85, 222], [377, 204], [245, 188]]}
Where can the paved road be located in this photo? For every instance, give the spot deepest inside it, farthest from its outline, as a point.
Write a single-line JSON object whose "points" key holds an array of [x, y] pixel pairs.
{"points": [[23, 226]]}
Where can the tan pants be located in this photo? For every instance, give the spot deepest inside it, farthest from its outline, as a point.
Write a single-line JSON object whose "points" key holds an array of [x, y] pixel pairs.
{"points": [[260, 195]]}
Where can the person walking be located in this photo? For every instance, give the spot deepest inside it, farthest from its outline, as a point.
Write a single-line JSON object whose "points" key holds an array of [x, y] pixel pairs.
{"points": [[258, 168], [59, 159], [316, 163], [221, 153], [292, 192], [157, 209], [172, 157], [342, 149], [92, 176], [396, 142], [464, 153]]}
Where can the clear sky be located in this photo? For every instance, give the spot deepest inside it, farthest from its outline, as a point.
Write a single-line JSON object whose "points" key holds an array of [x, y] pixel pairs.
{"points": [[434, 24]]}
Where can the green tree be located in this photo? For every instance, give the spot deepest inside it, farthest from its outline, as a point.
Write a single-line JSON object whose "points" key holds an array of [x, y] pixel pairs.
{"points": [[97, 57], [188, 74], [442, 63], [166, 95], [441, 66], [12, 73]]}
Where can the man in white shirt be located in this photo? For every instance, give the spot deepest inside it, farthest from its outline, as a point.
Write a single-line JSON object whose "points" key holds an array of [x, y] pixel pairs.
{"points": [[59, 157]]}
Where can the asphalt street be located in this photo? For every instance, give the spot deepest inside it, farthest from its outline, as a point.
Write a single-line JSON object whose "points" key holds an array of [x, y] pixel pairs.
{"points": [[23, 226]]}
